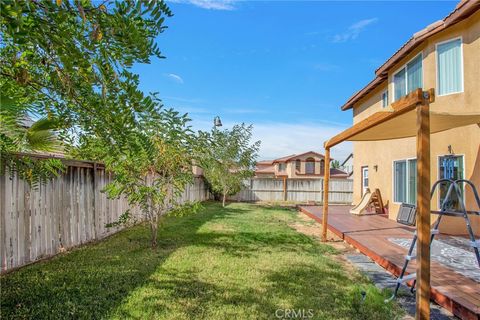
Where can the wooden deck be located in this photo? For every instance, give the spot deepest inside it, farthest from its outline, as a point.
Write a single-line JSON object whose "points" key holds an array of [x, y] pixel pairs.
{"points": [[370, 234]]}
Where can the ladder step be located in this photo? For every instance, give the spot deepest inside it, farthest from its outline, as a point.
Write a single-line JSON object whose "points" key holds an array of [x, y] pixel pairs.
{"points": [[410, 257], [475, 244], [407, 278], [433, 231], [449, 213]]}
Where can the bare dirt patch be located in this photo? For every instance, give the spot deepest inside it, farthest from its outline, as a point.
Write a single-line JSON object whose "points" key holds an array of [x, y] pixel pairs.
{"points": [[313, 228]]}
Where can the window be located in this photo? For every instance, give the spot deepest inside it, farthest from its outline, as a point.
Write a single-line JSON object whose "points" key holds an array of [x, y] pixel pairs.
{"points": [[310, 166], [282, 167], [385, 98], [449, 67], [364, 180], [405, 181], [450, 167], [322, 166], [399, 84], [414, 74], [298, 165], [408, 78]]}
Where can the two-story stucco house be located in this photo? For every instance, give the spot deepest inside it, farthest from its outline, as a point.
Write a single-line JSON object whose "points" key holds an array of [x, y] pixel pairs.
{"points": [[444, 56], [305, 165]]}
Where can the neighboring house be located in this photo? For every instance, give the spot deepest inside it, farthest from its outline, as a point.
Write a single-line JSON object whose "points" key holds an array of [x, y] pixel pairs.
{"points": [[347, 166], [444, 56], [306, 165]]}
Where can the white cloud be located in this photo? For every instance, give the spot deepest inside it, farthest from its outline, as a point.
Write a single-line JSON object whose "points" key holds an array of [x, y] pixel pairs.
{"points": [[281, 139], [191, 110], [354, 30], [183, 100], [325, 66], [243, 111], [210, 4], [175, 77]]}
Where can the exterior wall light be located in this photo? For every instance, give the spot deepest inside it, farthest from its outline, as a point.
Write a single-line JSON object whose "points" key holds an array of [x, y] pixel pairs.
{"points": [[217, 122]]}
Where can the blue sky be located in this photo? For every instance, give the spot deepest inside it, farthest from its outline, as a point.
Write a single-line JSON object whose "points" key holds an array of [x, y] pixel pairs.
{"points": [[284, 66]]}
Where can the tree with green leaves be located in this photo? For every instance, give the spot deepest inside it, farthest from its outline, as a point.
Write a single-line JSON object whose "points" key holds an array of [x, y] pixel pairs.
{"points": [[335, 164], [229, 159], [70, 61], [20, 135], [151, 168]]}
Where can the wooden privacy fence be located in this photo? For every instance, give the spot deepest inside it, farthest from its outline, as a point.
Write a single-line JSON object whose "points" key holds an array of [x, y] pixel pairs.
{"points": [[65, 212], [295, 190]]}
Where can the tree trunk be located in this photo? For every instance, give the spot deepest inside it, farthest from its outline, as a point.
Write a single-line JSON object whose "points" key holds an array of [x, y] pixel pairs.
{"points": [[153, 229], [224, 198]]}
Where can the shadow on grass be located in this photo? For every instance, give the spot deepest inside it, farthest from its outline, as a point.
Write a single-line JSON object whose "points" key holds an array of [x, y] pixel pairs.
{"points": [[91, 281], [325, 291], [122, 277]]}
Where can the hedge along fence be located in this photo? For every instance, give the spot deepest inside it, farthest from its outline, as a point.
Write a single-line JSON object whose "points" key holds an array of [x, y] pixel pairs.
{"points": [[295, 190], [65, 212]]}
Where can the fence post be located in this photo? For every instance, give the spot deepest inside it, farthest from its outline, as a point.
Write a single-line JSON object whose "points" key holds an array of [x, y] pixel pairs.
{"points": [[59, 215]]}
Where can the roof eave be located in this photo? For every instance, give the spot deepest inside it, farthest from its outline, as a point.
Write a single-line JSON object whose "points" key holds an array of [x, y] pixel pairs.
{"points": [[462, 11]]}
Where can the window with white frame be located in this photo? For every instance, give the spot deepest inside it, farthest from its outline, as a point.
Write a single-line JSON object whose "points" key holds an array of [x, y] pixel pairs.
{"points": [[408, 79], [385, 98], [449, 67], [405, 181]]}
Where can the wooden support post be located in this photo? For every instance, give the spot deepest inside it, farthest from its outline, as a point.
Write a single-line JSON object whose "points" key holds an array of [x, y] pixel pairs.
{"points": [[423, 210], [284, 188], [326, 180]]}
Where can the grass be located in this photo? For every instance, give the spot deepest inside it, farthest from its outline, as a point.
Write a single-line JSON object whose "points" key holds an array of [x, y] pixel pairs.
{"points": [[239, 262]]}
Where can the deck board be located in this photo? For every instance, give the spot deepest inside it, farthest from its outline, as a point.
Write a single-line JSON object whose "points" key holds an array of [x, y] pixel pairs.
{"points": [[369, 234]]}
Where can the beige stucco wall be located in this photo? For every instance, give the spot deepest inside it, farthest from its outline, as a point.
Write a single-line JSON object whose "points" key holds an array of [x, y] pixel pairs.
{"points": [[291, 171], [464, 141]]}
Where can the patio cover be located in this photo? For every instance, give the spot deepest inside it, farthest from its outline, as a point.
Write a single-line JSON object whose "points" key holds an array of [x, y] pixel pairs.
{"points": [[404, 125], [410, 116], [400, 121]]}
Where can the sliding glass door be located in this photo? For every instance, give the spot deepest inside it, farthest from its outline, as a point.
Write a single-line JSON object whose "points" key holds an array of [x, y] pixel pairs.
{"points": [[405, 181]]}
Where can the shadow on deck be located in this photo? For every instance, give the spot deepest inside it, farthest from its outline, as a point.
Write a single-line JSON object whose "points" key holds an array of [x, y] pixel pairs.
{"points": [[375, 236]]}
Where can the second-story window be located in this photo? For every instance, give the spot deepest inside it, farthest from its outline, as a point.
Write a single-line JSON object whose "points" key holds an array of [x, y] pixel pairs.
{"points": [[298, 165], [409, 78], [385, 98], [449, 67], [282, 167]]}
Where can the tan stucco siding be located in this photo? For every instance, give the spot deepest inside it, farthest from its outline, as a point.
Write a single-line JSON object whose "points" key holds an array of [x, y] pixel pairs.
{"points": [[469, 99], [464, 141], [292, 173], [369, 105]]}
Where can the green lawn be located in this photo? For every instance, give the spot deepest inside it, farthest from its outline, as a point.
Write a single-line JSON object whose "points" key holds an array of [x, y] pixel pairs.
{"points": [[241, 262]]}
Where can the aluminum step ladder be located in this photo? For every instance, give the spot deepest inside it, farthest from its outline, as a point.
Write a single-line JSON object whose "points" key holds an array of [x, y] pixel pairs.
{"points": [[453, 186]]}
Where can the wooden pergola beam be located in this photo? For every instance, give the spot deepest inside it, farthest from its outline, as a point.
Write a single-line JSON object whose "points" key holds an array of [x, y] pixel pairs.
{"points": [[326, 180], [419, 100], [423, 210], [401, 106]]}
